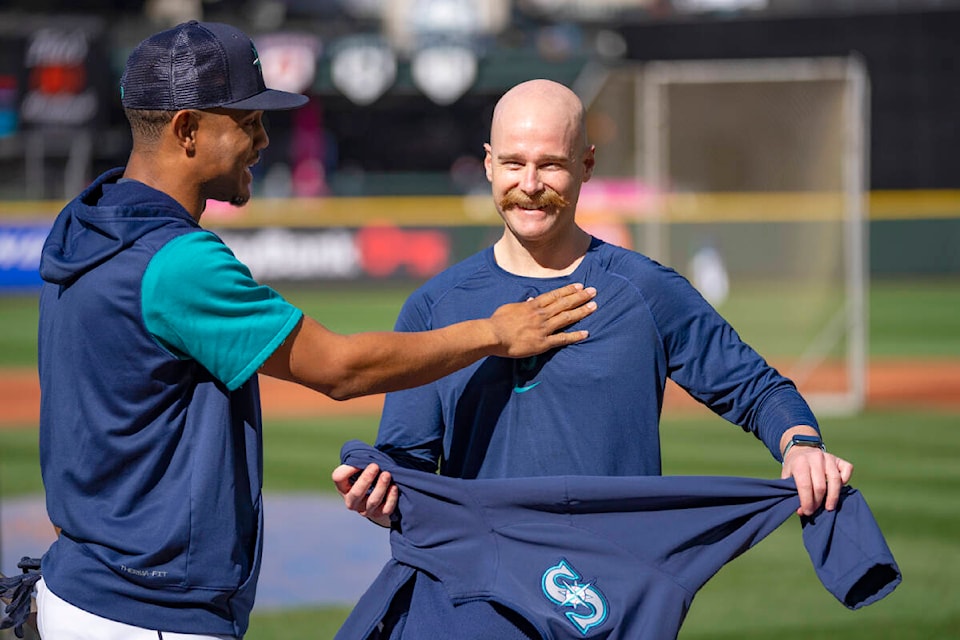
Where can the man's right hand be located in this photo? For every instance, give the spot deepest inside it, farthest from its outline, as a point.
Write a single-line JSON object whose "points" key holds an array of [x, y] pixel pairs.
{"points": [[370, 493], [529, 328]]}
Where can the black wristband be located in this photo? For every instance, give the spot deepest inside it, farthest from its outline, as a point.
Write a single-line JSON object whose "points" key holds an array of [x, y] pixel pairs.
{"points": [[804, 441]]}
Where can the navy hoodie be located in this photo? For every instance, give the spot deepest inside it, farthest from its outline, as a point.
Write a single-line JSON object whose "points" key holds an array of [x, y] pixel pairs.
{"points": [[152, 467]]}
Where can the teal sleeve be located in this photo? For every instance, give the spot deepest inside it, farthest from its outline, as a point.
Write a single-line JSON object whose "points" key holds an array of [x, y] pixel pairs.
{"points": [[200, 302]]}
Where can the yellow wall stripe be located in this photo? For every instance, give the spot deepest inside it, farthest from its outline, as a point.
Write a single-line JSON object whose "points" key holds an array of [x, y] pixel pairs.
{"points": [[478, 210]]}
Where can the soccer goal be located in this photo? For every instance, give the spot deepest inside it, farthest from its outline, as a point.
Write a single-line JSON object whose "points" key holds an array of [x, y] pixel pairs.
{"points": [[752, 175]]}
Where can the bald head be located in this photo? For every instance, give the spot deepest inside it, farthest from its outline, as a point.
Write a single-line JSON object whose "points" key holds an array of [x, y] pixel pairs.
{"points": [[541, 104], [537, 160]]}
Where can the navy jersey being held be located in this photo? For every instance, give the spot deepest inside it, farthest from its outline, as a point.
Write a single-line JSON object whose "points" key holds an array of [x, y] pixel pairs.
{"points": [[609, 558]]}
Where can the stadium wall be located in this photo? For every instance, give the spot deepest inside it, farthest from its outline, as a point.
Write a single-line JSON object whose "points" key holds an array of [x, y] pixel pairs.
{"points": [[912, 234]]}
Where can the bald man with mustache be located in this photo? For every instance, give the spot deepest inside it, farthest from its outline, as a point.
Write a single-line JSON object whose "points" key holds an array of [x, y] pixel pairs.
{"points": [[592, 408]]}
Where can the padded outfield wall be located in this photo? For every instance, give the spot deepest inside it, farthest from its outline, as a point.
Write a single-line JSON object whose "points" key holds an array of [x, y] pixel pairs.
{"points": [[911, 234]]}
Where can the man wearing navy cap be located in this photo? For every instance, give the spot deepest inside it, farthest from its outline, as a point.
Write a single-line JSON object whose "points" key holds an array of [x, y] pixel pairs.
{"points": [[151, 336]]}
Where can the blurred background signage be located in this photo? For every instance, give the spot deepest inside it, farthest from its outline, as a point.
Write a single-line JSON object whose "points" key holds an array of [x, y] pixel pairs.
{"points": [[363, 67], [444, 72], [289, 60], [58, 90]]}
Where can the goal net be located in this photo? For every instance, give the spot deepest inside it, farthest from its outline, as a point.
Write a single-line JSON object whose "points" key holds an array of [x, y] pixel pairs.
{"points": [[749, 177]]}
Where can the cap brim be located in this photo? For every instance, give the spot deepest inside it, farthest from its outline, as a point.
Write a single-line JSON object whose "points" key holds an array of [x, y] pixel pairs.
{"points": [[270, 100]]}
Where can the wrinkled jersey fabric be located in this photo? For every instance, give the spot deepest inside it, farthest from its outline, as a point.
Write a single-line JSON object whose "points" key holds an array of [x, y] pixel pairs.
{"points": [[602, 557]]}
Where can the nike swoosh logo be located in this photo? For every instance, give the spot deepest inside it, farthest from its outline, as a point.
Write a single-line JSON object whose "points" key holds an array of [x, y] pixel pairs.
{"points": [[526, 388]]}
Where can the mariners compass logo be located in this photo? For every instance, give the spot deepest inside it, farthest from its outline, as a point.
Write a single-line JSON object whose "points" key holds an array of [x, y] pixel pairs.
{"points": [[580, 601]]}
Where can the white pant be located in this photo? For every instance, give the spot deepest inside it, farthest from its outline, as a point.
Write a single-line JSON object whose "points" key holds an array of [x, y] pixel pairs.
{"points": [[60, 620]]}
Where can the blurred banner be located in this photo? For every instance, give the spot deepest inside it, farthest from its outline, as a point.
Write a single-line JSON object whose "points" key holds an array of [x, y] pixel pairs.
{"points": [[9, 96], [20, 246], [289, 60], [65, 85], [374, 252], [55, 92], [363, 67], [323, 240], [279, 255], [410, 24]]}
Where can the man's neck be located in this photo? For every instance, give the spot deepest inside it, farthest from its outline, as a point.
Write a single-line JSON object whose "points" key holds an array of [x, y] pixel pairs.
{"points": [[164, 177], [546, 260]]}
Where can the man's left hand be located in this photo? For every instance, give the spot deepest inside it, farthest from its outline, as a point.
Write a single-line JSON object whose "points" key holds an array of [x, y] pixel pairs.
{"points": [[819, 475]]}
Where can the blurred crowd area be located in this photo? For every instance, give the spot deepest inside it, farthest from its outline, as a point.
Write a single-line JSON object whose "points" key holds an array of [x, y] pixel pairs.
{"points": [[402, 91]]}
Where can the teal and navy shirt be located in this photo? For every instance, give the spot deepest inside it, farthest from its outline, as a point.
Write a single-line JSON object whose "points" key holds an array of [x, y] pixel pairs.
{"points": [[150, 336]]}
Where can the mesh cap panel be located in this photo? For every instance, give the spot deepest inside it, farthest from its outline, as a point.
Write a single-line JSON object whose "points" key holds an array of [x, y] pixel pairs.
{"points": [[199, 66]]}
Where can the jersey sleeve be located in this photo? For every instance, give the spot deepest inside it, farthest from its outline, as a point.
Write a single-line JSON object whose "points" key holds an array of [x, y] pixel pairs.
{"points": [[200, 302], [707, 357], [411, 425]]}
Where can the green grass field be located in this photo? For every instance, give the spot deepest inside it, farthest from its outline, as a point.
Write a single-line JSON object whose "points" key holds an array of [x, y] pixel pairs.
{"points": [[907, 318], [907, 468]]}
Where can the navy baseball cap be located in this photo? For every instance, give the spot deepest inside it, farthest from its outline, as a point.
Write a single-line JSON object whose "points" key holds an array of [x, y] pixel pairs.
{"points": [[200, 65]]}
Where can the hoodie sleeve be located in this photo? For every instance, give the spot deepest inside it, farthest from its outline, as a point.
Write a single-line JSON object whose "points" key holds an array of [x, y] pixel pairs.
{"points": [[200, 302]]}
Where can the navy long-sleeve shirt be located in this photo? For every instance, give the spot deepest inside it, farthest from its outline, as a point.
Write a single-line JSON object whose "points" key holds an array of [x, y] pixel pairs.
{"points": [[588, 408]]}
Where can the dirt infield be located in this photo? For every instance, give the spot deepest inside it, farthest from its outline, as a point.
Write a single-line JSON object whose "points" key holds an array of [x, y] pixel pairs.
{"points": [[891, 384]]}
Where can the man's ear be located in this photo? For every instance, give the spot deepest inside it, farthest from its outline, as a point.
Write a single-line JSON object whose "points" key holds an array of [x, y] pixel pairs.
{"points": [[589, 162], [488, 161], [184, 126]]}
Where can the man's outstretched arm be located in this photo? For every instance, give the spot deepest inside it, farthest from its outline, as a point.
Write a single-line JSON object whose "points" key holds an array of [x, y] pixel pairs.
{"points": [[346, 366]]}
